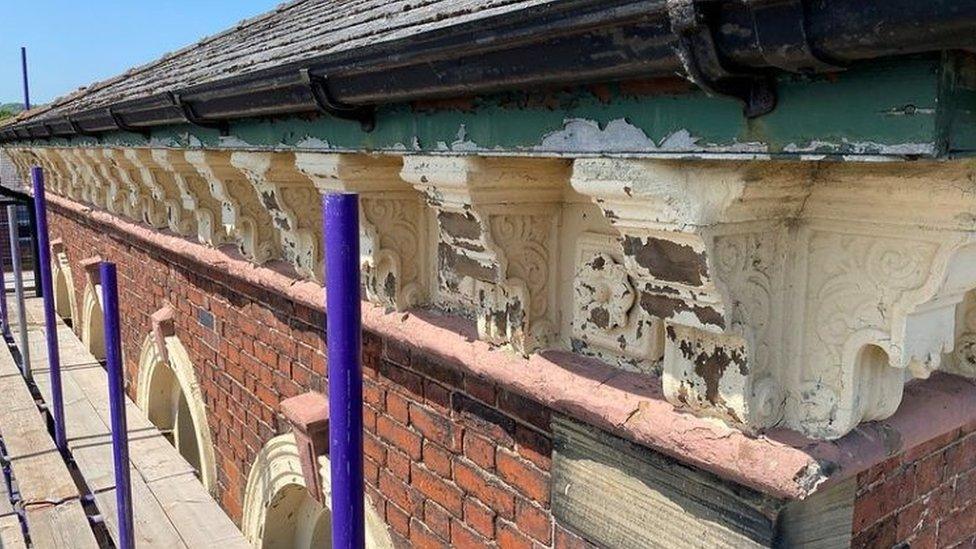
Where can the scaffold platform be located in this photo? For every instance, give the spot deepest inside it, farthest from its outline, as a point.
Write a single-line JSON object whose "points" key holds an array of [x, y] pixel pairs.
{"points": [[54, 500]]}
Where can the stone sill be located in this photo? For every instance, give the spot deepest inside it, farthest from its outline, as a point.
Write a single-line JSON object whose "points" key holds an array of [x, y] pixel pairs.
{"points": [[780, 463]]}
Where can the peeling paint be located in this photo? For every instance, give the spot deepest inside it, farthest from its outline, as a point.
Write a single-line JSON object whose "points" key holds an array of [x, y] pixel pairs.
{"points": [[863, 148], [234, 142]]}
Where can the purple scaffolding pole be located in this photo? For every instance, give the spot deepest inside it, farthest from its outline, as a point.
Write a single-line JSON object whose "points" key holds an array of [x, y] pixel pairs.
{"points": [[23, 68], [51, 326], [3, 290], [116, 396], [344, 342]]}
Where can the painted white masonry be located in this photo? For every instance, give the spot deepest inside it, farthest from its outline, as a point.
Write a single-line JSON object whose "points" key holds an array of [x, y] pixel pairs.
{"points": [[798, 294]]}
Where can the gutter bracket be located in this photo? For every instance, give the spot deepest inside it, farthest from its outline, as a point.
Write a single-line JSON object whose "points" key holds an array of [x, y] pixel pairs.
{"points": [[326, 103], [191, 116], [75, 127], [122, 126], [695, 47], [781, 31]]}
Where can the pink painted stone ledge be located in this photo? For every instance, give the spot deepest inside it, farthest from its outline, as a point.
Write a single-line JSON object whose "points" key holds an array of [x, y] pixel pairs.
{"points": [[780, 463]]}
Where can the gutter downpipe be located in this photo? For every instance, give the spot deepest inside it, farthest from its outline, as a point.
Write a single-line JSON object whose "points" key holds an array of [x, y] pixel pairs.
{"points": [[344, 349]]}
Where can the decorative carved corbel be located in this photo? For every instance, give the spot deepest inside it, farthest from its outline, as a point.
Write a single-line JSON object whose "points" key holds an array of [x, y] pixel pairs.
{"points": [[195, 195], [164, 190], [292, 203], [56, 163], [711, 284], [141, 203], [496, 246], [393, 222], [244, 218], [792, 293], [111, 190], [23, 159], [94, 186]]}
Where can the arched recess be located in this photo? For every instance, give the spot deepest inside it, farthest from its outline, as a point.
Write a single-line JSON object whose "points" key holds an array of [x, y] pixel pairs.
{"points": [[64, 288], [279, 512], [92, 321], [168, 391]]}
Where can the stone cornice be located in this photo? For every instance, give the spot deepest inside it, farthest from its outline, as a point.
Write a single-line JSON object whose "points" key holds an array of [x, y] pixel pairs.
{"points": [[766, 294], [780, 464]]}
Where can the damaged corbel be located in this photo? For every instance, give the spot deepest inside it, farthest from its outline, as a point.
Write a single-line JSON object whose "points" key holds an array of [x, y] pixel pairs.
{"points": [[393, 222], [496, 243], [164, 189], [710, 284], [792, 294], [195, 195], [244, 218], [293, 204]]}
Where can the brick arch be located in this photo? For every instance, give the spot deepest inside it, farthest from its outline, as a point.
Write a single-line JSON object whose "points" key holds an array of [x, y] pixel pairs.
{"points": [[65, 303], [279, 512], [168, 391], [92, 320]]}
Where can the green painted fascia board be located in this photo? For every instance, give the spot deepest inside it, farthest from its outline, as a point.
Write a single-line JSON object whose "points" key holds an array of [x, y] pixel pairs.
{"points": [[888, 108]]}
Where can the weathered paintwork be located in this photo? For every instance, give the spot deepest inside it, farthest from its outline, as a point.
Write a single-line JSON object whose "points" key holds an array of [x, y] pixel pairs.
{"points": [[907, 107]]}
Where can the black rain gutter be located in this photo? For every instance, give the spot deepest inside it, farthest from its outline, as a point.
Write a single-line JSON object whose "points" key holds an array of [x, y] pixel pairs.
{"points": [[726, 47]]}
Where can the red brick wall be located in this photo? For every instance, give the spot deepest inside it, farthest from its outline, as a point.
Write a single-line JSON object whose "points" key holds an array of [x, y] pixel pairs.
{"points": [[925, 497], [450, 459]]}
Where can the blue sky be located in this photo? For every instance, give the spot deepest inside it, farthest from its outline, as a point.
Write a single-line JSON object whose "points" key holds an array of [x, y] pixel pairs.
{"points": [[71, 43]]}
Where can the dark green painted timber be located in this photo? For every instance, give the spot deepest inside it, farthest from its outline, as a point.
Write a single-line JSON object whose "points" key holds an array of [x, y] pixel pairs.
{"points": [[919, 106]]}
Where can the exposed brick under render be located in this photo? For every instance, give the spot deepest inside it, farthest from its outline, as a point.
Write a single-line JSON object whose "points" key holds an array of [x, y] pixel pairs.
{"points": [[451, 458]]}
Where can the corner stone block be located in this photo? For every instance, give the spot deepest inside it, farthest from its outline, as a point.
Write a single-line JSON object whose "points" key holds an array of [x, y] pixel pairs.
{"points": [[393, 223], [497, 241], [308, 414]]}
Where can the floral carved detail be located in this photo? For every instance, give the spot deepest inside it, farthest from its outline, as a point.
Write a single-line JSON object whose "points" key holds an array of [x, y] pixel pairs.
{"points": [[393, 250], [963, 358], [858, 280], [604, 295]]}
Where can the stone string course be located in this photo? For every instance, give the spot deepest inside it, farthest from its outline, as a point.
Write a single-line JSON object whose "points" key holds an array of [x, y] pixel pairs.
{"points": [[454, 456], [450, 458]]}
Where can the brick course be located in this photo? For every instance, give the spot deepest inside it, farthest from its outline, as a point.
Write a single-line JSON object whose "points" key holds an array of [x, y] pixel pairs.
{"points": [[925, 497], [451, 458], [432, 432]]}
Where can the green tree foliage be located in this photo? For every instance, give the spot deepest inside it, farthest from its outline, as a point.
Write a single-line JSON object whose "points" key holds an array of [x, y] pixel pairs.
{"points": [[9, 109]]}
